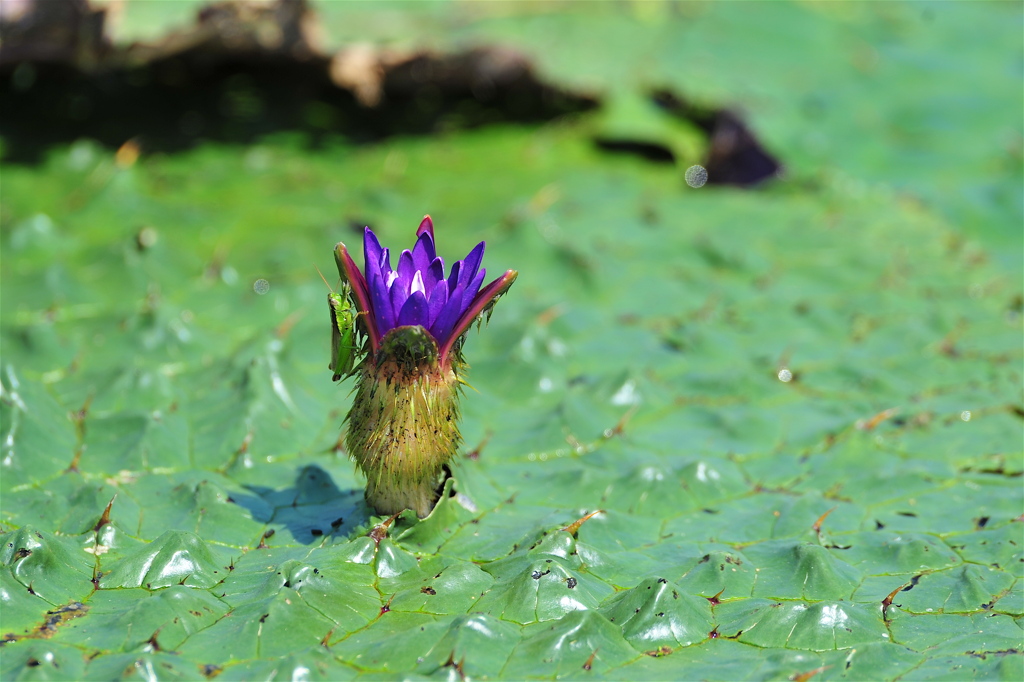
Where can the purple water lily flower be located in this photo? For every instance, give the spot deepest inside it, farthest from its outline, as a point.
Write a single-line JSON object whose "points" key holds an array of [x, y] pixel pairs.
{"points": [[417, 292]]}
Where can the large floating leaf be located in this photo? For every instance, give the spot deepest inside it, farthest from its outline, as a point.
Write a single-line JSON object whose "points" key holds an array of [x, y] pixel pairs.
{"points": [[818, 626], [174, 558], [48, 566], [798, 408], [656, 614]]}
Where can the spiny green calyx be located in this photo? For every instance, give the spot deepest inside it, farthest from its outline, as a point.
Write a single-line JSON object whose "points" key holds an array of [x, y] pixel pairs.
{"points": [[403, 426]]}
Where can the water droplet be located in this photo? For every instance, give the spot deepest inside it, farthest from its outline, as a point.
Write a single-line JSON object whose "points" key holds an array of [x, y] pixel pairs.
{"points": [[785, 376], [261, 286], [966, 415], [696, 176]]}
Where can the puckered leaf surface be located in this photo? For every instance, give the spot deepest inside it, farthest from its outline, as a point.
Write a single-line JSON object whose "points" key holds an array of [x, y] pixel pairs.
{"points": [[798, 408]]}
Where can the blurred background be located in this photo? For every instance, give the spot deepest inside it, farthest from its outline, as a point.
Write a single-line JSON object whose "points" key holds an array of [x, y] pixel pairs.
{"points": [[175, 172], [771, 258]]}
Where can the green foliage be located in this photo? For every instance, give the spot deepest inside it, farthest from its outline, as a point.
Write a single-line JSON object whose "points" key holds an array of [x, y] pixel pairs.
{"points": [[860, 520]]}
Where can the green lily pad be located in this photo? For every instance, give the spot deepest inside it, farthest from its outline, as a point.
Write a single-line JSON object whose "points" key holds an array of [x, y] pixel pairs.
{"points": [[531, 589], [315, 663], [998, 666], [789, 569], [164, 618], [714, 368], [876, 552], [998, 548], [656, 614], [141, 665], [269, 627], [943, 634], [722, 571], [961, 589], [38, 436], [174, 558], [36, 659], [438, 586], [23, 611], [819, 626], [51, 567], [579, 642]]}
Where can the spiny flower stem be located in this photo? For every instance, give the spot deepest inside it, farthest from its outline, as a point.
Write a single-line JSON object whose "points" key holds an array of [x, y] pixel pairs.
{"points": [[403, 427]]}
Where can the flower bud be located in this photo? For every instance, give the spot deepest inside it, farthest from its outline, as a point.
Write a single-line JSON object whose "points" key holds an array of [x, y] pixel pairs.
{"points": [[403, 426]]}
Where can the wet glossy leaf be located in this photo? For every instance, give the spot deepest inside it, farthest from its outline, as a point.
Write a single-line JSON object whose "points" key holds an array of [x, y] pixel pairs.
{"points": [[140, 665], [174, 558], [52, 567], [23, 611], [955, 634], [260, 629], [315, 663], [397, 640], [479, 643], [818, 626], [800, 570], [127, 619], [35, 659], [887, 552], [1000, 548], [38, 437], [580, 642], [657, 613], [964, 589], [798, 405], [438, 586]]}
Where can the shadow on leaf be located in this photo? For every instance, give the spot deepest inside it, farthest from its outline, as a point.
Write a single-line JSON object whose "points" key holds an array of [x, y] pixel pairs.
{"points": [[306, 512]]}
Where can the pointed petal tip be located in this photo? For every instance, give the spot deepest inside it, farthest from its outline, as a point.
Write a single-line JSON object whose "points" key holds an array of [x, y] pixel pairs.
{"points": [[426, 225], [502, 284], [482, 301], [340, 256]]}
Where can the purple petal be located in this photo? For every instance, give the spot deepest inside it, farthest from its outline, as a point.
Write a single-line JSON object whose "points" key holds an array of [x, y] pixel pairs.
{"points": [[380, 300], [406, 270], [453, 276], [423, 252], [480, 301], [432, 275], [414, 311], [398, 298], [473, 288], [472, 263], [371, 249], [438, 297], [384, 263], [417, 284], [448, 316]]}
